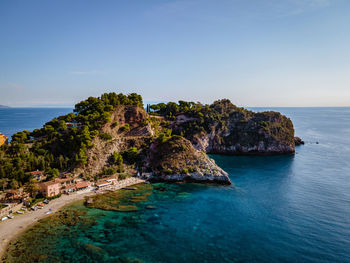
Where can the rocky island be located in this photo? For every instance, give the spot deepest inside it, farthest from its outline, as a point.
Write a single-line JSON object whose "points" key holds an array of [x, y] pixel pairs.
{"points": [[114, 134]]}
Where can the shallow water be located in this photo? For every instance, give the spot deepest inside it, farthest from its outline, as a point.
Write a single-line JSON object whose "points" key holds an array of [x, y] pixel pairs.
{"points": [[293, 208]]}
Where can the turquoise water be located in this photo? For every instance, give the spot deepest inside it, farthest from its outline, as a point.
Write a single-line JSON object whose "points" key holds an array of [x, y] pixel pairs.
{"points": [[293, 208]]}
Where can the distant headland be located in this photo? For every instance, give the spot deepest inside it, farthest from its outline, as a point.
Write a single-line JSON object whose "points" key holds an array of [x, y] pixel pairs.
{"points": [[4, 106]]}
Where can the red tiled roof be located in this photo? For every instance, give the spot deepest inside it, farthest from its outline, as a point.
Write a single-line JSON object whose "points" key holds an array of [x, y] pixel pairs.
{"points": [[82, 185], [36, 172]]}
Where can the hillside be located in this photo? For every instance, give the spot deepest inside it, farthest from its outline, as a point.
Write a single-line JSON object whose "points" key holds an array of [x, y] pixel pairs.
{"points": [[223, 128], [113, 134]]}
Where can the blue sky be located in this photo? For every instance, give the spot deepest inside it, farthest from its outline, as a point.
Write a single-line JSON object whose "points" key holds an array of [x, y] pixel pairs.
{"points": [[254, 52]]}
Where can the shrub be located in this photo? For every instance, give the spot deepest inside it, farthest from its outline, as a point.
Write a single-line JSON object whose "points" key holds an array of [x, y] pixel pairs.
{"points": [[122, 176], [126, 127], [108, 171], [120, 169], [54, 197], [184, 171], [191, 169], [168, 171], [105, 136], [131, 155], [117, 158]]}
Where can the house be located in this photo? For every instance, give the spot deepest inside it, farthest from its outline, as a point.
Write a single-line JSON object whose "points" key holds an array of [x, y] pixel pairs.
{"points": [[112, 180], [65, 175], [3, 139], [102, 183], [73, 124], [68, 189], [38, 175], [50, 189], [14, 196], [106, 181], [63, 185], [65, 181], [82, 186]]}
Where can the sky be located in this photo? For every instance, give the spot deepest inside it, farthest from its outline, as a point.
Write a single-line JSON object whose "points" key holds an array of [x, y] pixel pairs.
{"points": [[254, 52]]}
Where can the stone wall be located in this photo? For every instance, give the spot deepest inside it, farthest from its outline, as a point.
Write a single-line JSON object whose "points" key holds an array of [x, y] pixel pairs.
{"points": [[12, 207]]}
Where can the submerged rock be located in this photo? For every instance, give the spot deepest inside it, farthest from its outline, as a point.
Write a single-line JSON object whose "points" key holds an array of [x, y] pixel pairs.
{"points": [[95, 252]]}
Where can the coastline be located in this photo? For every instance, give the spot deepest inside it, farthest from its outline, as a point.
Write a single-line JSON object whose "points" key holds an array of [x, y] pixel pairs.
{"points": [[13, 228]]}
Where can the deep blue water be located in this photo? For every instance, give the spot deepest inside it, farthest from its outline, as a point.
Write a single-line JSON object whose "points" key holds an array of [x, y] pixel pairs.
{"points": [[293, 208], [13, 120]]}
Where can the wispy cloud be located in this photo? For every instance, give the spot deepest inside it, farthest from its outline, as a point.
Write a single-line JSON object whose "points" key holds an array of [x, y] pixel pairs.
{"points": [[91, 72]]}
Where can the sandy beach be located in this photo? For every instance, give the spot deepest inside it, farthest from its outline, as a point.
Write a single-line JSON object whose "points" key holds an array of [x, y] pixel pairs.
{"points": [[11, 228]]}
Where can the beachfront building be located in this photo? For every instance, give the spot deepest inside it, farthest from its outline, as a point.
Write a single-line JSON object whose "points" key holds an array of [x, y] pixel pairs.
{"points": [[68, 181], [102, 184], [106, 182], [82, 186], [67, 189], [38, 175], [50, 189], [63, 185], [67, 185], [14, 196], [3, 139]]}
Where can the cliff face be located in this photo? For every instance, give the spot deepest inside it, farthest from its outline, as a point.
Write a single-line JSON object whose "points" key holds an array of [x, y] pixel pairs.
{"points": [[128, 127], [177, 160], [241, 132], [172, 160], [182, 156]]}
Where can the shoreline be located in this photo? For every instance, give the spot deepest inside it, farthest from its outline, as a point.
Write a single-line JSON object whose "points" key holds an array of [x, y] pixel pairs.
{"points": [[11, 229]]}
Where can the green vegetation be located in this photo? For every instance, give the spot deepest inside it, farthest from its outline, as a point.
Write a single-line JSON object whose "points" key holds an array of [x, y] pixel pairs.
{"points": [[164, 136], [222, 116], [131, 155], [62, 142], [108, 171], [202, 117], [184, 171], [117, 158], [105, 136], [126, 127], [123, 176]]}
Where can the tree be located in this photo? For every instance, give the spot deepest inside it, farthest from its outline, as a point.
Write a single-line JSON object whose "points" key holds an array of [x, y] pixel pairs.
{"points": [[81, 157], [31, 188], [117, 158], [62, 125], [131, 155], [14, 184], [2, 173], [52, 173], [3, 183]]}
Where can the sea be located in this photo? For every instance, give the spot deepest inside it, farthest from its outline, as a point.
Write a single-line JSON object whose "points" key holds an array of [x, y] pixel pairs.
{"points": [[289, 208]]}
